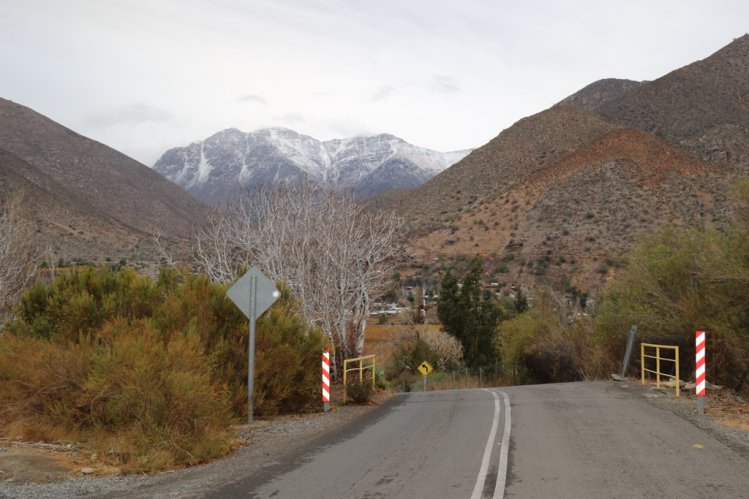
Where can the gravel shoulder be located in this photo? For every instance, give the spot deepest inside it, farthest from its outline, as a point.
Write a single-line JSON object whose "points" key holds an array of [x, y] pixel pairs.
{"points": [[267, 442], [726, 416]]}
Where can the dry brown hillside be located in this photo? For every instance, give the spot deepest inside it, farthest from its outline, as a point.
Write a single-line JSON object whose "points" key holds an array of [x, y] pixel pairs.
{"points": [[702, 107], [562, 195], [573, 221], [90, 201], [65, 225], [600, 92], [509, 160]]}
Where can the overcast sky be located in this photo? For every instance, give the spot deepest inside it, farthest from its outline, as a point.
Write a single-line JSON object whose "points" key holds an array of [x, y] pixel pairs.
{"points": [[146, 75]]}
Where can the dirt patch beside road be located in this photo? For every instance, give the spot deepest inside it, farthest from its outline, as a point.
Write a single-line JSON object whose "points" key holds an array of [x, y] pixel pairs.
{"points": [[21, 466], [54, 473]]}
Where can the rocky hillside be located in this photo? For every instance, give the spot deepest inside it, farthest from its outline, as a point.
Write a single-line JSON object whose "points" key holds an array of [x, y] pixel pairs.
{"points": [[510, 159], [562, 195], [214, 169], [90, 202], [600, 92], [702, 107]]}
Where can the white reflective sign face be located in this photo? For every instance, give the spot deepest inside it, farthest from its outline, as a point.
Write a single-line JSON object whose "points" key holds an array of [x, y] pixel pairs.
{"points": [[241, 292]]}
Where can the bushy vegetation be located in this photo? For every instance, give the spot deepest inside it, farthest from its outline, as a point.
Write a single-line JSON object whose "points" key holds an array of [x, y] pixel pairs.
{"points": [[542, 345], [682, 281], [470, 315], [441, 350], [676, 281], [147, 373], [360, 392]]}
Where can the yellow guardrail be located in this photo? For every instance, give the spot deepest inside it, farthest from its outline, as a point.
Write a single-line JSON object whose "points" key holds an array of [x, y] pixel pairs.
{"points": [[366, 362], [658, 359]]}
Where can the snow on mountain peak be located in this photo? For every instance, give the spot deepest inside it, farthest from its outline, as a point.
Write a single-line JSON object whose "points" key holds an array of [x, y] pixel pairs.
{"points": [[215, 167]]}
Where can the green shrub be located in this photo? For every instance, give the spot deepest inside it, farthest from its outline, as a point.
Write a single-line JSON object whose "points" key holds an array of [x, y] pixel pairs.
{"points": [[381, 381], [288, 352], [540, 346], [153, 371], [360, 392], [677, 282], [443, 352]]}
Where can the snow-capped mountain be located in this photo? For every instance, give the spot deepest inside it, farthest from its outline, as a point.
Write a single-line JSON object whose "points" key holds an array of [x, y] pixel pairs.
{"points": [[216, 168]]}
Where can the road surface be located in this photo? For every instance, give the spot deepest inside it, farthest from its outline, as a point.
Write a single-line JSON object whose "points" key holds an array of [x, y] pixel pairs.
{"points": [[564, 440]]}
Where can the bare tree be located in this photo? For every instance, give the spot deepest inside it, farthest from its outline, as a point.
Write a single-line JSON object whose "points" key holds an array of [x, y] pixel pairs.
{"points": [[166, 254], [332, 253], [19, 255]]}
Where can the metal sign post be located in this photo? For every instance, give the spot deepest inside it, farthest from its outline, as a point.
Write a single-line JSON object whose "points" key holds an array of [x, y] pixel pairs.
{"points": [[253, 294], [628, 353], [251, 348]]}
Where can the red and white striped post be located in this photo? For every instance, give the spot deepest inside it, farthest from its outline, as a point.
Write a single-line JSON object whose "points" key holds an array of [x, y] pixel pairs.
{"points": [[699, 372], [326, 379]]}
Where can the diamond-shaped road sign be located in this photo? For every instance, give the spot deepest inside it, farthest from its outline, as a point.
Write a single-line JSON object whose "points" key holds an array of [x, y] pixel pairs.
{"points": [[425, 368], [253, 293], [241, 292]]}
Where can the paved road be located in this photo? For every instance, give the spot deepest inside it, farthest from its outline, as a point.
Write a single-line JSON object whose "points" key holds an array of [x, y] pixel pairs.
{"points": [[598, 440], [417, 445], [565, 440]]}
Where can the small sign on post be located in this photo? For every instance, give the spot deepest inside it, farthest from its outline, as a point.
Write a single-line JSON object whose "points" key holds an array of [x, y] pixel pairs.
{"points": [[253, 294], [425, 368]]}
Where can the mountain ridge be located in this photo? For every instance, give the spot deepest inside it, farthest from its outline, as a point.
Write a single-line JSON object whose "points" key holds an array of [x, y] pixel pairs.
{"points": [[215, 167], [89, 201], [560, 196], [703, 107]]}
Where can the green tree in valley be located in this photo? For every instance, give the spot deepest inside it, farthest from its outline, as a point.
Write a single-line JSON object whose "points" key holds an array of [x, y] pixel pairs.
{"points": [[470, 315]]}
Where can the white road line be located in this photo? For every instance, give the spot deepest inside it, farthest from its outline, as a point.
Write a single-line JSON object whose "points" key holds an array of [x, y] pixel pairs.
{"points": [[478, 489], [499, 488]]}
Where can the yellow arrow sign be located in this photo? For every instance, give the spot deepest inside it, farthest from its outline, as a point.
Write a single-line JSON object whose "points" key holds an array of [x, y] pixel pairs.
{"points": [[425, 368]]}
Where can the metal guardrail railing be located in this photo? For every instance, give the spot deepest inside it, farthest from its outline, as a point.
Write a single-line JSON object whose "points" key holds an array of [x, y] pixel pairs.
{"points": [[658, 359], [366, 362]]}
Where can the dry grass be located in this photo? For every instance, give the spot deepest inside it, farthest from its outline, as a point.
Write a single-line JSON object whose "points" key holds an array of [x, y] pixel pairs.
{"points": [[734, 422], [381, 339], [728, 409]]}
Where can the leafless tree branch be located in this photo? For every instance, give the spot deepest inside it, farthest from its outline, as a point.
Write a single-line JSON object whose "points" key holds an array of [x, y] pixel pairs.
{"points": [[332, 254], [19, 255]]}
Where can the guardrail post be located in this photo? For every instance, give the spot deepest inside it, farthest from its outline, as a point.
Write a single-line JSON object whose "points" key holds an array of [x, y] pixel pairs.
{"points": [[658, 358], [677, 380], [345, 372], [360, 368]]}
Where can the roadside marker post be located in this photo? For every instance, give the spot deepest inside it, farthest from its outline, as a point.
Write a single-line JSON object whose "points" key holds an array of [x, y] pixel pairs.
{"points": [[699, 372], [628, 352], [253, 294], [326, 379]]}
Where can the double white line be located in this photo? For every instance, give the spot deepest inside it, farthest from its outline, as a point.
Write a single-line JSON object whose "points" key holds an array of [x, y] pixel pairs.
{"points": [[499, 488]]}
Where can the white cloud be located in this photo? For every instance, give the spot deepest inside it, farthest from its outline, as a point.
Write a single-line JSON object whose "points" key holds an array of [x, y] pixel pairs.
{"points": [[130, 115], [382, 93], [290, 120], [445, 84], [441, 74], [256, 99]]}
